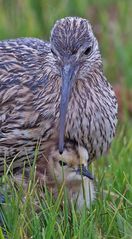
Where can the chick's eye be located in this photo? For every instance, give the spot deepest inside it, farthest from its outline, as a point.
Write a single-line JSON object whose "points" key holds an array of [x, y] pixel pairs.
{"points": [[62, 163], [87, 51]]}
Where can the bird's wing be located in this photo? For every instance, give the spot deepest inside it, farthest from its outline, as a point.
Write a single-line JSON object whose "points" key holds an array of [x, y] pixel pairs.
{"points": [[20, 59], [21, 76]]}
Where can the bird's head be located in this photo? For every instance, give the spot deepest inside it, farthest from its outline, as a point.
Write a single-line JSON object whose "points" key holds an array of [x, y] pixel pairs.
{"points": [[69, 167], [75, 48]]}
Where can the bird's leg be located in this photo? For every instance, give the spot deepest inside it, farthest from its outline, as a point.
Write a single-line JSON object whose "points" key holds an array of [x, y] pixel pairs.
{"points": [[2, 200]]}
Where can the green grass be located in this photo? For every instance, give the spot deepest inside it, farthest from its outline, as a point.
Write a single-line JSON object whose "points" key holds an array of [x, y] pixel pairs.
{"points": [[110, 216]]}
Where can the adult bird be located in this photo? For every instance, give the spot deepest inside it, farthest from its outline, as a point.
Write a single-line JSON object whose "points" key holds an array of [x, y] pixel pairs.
{"points": [[54, 89]]}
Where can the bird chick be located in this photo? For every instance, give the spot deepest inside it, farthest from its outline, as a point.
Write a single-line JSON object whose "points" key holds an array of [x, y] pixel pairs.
{"points": [[68, 170]]}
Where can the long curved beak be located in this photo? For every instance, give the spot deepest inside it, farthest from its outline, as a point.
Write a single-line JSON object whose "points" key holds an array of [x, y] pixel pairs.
{"points": [[82, 170], [68, 73]]}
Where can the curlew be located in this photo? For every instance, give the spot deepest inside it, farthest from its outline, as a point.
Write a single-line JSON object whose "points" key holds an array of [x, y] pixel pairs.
{"points": [[55, 89]]}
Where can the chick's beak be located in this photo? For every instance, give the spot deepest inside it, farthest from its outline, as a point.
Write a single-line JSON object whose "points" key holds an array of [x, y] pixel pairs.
{"points": [[82, 170]]}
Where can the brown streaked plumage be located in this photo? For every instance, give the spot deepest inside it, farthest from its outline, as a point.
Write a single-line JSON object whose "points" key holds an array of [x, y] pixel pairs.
{"points": [[55, 88]]}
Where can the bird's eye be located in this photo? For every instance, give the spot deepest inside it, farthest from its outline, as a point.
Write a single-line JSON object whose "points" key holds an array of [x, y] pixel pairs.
{"points": [[88, 50], [62, 163]]}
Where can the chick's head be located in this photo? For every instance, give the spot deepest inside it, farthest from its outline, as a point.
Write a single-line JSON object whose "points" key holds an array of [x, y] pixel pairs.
{"points": [[70, 166]]}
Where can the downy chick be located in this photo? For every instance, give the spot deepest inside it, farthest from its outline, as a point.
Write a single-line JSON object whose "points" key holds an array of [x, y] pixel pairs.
{"points": [[68, 170]]}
